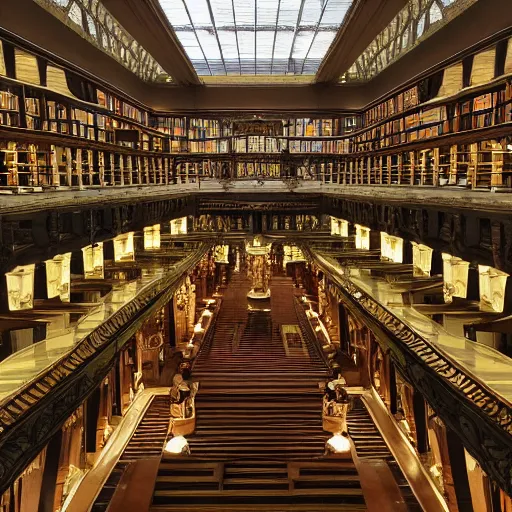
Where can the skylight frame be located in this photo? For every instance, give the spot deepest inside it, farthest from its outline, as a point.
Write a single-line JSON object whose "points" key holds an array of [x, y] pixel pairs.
{"points": [[256, 37], [415, 23], [91, 20]]}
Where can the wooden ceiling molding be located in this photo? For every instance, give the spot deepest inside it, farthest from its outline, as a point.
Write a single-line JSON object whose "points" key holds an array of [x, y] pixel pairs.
{"points": [[147, 24], [364, 22]]}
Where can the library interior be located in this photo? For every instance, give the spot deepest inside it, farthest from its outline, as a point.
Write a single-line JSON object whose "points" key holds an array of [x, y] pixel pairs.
{"points": [[255, 255]]}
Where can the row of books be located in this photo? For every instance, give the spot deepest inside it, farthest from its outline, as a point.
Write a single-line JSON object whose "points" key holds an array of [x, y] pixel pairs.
{"points": [[204, 128], [32, 106], [10, 119], [8, 101], [319, 146], [399, 103], [173, 126], [209, 146], [258, 144], [56, 110], [82, 116], [319, 127]]}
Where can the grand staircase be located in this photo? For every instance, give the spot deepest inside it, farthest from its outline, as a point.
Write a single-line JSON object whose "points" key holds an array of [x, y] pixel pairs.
{"points": [[259, 443]]}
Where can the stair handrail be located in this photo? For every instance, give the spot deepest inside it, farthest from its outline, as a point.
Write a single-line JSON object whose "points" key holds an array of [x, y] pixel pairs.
{"points": [[306, 327], [208, 335]]}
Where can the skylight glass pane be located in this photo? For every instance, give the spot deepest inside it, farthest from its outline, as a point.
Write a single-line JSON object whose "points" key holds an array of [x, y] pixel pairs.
{"points": [[256, 36]]}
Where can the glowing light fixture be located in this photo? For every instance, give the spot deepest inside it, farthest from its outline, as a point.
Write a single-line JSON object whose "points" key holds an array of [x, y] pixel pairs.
{"points": [[362, 237], [492, 283], [20, 287], [392, 247], [93, 261], [339, 227], [58, 276], [338, 444], [179, 226], [455, 277], [124, 248], [178, 445], [198, 328], [152, 237], [421, 259]]}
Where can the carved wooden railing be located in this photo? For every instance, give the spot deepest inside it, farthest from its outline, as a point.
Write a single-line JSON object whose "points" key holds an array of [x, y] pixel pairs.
{"points": [[37, 409], [206, 343], [308, 331], [478, 414]]}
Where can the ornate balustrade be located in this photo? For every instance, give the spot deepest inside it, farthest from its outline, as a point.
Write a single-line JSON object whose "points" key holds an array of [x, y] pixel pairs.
{"points": [[31, 415], [480, 416]]}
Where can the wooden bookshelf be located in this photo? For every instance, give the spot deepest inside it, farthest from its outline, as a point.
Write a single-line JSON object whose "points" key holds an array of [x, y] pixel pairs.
{"points": [[421, 135]]}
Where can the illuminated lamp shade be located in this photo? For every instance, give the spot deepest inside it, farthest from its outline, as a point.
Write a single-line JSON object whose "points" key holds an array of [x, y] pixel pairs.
{"points": [[179, 226], [20, 287], [58, 276], [392, 247], [339, 227], [178, 445], [152, 237], [93, 261], [421, 259], [492, 283], [198, 328], [362, 237], [124, 248], [455, 277], [338, 444]]}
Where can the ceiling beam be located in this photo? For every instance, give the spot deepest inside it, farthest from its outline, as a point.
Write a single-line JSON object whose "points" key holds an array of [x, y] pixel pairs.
{"points": [[148, 25], [365, 20]]}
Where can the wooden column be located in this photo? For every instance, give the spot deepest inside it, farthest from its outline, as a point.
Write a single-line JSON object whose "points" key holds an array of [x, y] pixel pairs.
{"points": [[420, 420], [51, 466], [459, 472]]}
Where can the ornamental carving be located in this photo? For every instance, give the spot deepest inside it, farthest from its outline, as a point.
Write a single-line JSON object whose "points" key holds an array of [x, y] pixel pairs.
{"points": [[482, 419]]}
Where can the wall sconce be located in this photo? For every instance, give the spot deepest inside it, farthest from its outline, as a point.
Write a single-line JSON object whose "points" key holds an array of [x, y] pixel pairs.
{"points": [[58, 276], [123, 248], [20, 287], [339, 227], [392, 247], [93, 261], [455, 276], [179, 226], [362, 237], [152, 237], [421, 259], [492, 283]]}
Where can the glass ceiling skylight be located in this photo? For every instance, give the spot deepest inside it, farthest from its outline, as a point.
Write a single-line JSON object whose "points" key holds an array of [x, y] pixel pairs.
{"points": [[256, 37]]}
